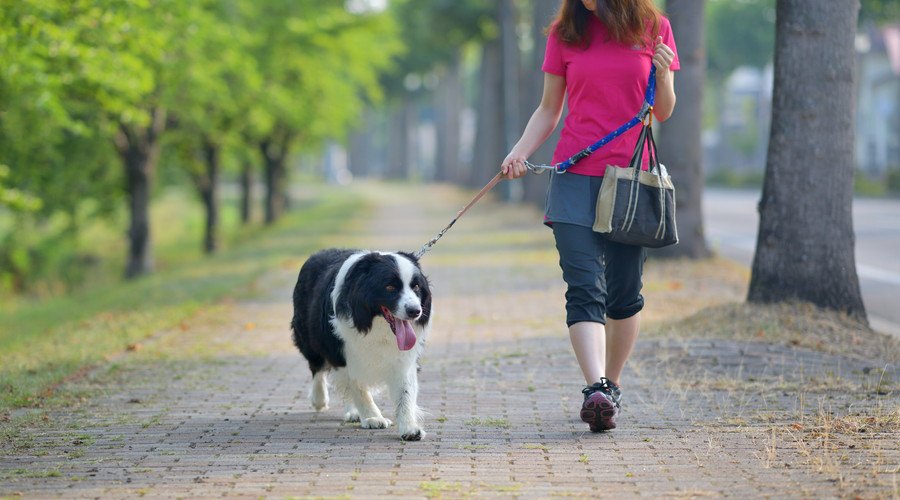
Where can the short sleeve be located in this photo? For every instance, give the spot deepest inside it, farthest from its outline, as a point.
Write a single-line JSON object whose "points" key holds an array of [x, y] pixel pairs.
{"points": [[553, 58], [665, 30]]}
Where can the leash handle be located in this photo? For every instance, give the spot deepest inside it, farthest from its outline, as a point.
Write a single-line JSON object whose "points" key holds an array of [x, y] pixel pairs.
{"points": [[487, 187]]}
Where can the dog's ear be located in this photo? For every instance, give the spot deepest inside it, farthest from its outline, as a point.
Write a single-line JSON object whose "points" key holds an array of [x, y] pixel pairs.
{"points": [[355, 301], [425, 296], [361, 313], [410, 256]]}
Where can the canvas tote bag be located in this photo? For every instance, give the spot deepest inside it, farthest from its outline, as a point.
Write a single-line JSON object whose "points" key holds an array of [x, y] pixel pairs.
{"points": [[637, 207]]}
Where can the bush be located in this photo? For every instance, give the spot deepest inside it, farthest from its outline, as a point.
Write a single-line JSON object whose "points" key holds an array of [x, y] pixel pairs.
{"points": [[893, 180], [37, 257], [864, 185], [727, 177]]}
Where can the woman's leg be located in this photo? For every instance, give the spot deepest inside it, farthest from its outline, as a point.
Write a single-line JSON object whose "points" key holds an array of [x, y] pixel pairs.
{"points": [[580, 258], [624, 270], [589, 343], [620, 337]]}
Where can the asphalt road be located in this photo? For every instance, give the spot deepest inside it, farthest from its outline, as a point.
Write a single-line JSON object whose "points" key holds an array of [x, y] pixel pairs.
{"points": [[731, 223]]}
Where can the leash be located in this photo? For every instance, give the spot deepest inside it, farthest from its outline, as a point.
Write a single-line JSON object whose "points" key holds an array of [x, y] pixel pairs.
{"points": [[560, 168], [487, 187]]}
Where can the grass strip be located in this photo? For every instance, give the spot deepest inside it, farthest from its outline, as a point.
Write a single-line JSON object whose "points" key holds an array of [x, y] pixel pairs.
{"points": [[44, 343]]}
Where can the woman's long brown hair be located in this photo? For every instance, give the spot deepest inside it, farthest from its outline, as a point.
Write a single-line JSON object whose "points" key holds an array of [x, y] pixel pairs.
{"points": [[626, 20]]}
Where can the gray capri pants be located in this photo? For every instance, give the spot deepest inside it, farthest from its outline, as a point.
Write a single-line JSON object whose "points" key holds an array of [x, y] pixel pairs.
{"points": [[603, 277]]}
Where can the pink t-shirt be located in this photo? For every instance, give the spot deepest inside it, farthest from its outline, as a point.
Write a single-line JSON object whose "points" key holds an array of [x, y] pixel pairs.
{"points": [[605, 84]]}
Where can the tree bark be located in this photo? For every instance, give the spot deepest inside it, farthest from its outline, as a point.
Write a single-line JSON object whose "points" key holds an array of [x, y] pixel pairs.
{"points": [[510, 90], [536, 185], [397, 143], [361, 147], [679, 143], [489, 140], [805, 245], [411, 133], [274, 151], [246, 182], [139, 150], [209, 193], [448, 106]]}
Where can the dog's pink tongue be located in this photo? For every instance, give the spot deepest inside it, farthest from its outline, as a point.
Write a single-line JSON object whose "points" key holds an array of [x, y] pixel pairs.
{"points": [[406, 338]]}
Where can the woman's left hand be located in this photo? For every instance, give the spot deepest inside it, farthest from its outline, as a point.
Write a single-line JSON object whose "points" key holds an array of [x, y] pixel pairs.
{"points": [[662, 56]]}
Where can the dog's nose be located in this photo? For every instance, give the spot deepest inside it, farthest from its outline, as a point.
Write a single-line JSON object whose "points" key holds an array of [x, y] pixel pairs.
{"points": [[413, 311]]}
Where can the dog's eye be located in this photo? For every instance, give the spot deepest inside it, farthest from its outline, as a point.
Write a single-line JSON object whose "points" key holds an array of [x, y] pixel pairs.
{"points": [[416, 288], [391, 288]]}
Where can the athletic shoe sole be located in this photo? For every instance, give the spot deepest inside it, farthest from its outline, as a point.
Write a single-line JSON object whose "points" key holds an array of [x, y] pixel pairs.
{"points": [[599, 412]]}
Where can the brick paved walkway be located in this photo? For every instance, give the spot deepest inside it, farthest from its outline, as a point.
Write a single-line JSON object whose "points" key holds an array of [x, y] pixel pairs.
{"points": [[702, 417]]}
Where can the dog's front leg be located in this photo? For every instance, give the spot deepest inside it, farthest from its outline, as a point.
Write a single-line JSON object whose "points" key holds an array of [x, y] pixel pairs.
{"points": [[405, 393], [370, 416], [362, 407]]}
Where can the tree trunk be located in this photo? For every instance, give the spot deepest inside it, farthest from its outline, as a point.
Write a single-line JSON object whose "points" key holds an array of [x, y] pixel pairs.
{"points": [[209, 193], [361, 150], [139, 150], [246, 182], [397, 143], [411, 167], [511, 191], [449, 104], [489, 140], [274, 152], [536, 185], [679, 143], [804, 248], [274, 203]]}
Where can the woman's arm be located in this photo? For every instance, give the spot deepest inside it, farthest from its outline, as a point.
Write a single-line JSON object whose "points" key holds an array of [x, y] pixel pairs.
{"points": [[665, 81], [539, 128]]}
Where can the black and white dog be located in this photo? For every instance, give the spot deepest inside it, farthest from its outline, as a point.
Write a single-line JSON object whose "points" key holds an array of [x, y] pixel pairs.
{"points": [[364, 316]]}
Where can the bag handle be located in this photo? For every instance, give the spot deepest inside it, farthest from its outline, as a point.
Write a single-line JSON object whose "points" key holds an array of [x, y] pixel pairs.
{"points": [[653, 153]]}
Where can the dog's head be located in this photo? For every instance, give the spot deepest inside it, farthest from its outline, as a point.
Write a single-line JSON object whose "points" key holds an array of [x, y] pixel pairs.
{"points": [[389, 285]]}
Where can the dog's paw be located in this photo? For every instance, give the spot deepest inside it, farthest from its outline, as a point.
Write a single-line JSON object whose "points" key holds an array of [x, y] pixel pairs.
{"points": [[351, 416], [414, 434], [375, 423]]}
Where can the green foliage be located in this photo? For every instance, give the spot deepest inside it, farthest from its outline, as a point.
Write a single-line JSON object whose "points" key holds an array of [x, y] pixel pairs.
{"points": [[435, 31], [864, 185], [881, 11], [893, 180], [317, 69], [76, 75], [739, 33], [15, 199], [731, 178]]}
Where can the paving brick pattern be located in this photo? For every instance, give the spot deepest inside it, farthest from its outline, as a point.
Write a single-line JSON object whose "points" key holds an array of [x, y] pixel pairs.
{"points": [[502, 392]]}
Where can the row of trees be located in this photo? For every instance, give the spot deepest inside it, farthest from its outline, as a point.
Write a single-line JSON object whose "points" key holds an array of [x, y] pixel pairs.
{"points": [[805, 249], [87, 85], [232, 84]]}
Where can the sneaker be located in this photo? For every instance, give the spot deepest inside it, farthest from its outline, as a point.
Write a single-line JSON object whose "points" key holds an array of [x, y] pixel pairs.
{"points": [[601, 405]]}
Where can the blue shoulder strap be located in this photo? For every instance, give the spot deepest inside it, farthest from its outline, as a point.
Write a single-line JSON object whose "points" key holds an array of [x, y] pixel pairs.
{"points": [[646, 108]]}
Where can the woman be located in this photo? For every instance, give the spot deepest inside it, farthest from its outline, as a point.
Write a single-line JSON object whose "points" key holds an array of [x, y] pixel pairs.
{"points": [[598, 57]]}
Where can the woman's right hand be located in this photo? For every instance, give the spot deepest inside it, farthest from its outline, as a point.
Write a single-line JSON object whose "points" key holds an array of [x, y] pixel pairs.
{"points": [[513, 165]]}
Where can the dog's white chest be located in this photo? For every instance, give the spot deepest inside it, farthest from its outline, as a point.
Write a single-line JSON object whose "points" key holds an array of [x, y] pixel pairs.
{"points": [[374, 358]]}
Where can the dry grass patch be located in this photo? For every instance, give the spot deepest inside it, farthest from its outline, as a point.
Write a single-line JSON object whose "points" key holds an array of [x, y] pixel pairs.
{"points": [[677, 288], [797, 324], [857, 451]]}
